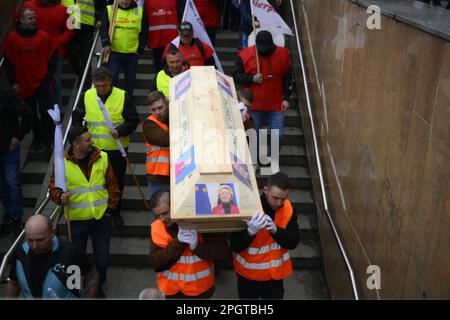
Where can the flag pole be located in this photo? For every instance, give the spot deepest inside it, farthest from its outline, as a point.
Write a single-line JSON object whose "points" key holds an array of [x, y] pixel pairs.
{"points": [[69, 227], [254, 32], [112, 25], [122, 150]]}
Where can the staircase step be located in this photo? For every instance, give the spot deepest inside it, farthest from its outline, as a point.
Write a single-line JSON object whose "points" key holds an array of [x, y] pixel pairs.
{"points": [[128, 282], [132, 251]]}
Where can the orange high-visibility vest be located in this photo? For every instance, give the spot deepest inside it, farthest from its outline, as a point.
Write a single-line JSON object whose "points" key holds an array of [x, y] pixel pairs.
{"points": [[158, 158], [190, 274], [264, 259]]}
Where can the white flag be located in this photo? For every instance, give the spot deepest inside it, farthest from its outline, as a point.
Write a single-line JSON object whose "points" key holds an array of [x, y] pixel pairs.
{"points": [[268, 18], [111, 126], [60, 167], [191, 15]]}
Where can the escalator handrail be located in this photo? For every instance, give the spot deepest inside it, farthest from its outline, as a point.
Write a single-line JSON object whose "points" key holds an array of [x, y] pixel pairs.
{"points": [[319, 165], [46, 200]]}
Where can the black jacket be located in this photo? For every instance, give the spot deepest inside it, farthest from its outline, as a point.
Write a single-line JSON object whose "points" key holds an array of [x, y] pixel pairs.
{"points": [[287, 238], [129, 113], [104, 29], [11, 109]]}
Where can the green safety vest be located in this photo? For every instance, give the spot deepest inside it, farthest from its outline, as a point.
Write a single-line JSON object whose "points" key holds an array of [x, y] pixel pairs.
{"points": [[88, 199], [87, 11], [162, 82], [95, 121], [127, 30]]}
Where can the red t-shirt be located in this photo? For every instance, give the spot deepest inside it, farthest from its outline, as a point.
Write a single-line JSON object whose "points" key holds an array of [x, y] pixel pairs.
{"points": [[30, 58], [192, 54]]}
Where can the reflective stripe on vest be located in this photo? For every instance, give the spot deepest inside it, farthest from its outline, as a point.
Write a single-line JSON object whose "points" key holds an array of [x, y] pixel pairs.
{"points": [[263, 266], [162, 82], [127, 29], [88, 199], [163, 27], [190, 274], [188, 277], [265, 259], [158, 158], [87, 11], [265, 249], [95, 121]]}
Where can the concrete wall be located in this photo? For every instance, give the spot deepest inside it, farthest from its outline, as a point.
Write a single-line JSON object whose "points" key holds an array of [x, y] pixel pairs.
{"points": [[381, 104]]}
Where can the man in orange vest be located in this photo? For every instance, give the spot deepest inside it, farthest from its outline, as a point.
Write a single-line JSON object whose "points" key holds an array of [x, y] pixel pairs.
{"points": [[262, 258], [183, 258], [156, 135]]}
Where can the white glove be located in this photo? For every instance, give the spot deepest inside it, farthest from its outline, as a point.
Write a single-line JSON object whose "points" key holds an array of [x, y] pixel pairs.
{"points": [[243, 109], [271, 227], [189, 236], [256, 223]]}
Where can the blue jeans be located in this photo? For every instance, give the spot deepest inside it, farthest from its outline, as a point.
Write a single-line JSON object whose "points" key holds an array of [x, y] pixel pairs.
{"points": [[57, 90], [100, 232], [153, 187], [127, 61], [275, 121], [243, 40], [10, 188]]}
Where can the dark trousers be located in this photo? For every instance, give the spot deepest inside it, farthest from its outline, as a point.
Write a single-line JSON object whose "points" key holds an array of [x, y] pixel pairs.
{"points": [[10, 187], [128, 62], [39, 103], [100, 232], [79, 49], [119, 165], [157, 58], [250, 289]]}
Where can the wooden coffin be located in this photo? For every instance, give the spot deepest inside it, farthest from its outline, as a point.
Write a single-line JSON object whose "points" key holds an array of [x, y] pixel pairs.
{"points": [[213, 184]]}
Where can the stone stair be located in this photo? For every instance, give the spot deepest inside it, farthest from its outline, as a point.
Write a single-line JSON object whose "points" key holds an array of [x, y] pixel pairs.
{"points": [[129, 272]]}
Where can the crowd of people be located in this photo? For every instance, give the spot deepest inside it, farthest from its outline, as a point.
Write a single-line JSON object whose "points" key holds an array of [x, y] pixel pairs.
{"points": [[94, 166]]}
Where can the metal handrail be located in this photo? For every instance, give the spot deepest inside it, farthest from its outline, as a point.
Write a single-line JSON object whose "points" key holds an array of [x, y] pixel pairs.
{"points": [[44, 202], [318, 162]]}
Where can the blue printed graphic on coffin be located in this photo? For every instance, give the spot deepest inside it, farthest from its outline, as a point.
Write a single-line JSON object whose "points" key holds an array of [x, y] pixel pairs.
{"points": [[202, 203], [240, 171], [184, 165], [183, 85]]}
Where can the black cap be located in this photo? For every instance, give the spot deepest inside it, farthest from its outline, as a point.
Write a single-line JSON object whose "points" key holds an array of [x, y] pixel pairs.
{"points": [[185, 28], [264, 43]]}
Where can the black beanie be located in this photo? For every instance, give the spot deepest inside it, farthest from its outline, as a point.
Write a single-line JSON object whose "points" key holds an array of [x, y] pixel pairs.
{"points": [[264, 43]]}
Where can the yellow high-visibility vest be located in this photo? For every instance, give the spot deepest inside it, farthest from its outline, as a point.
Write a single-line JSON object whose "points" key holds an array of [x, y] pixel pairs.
{"points": [[88, 199], [67, 3], [87, 11], [162, 82], [127, 30], [95, 121]]}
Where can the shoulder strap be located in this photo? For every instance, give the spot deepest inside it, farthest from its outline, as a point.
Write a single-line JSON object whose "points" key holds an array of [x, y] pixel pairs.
{"points": [[200, 46]]}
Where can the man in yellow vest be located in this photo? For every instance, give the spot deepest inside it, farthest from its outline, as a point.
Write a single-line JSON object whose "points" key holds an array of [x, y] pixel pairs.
{"points": [[182, 258], [88, 20], [262, 258], [128, 42], [92, 196], [174, 66], [123, 114]]}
